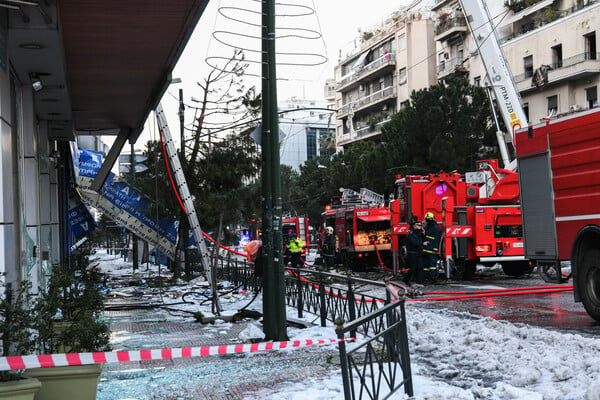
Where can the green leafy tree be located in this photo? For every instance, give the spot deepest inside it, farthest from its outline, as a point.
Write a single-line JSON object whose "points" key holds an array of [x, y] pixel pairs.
{"points": [[445, 127], [220, 160]]}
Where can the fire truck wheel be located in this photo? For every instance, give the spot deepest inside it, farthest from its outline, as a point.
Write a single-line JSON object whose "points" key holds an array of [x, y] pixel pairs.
{"points": [[516, 268], [465, 270], [588, 279]]}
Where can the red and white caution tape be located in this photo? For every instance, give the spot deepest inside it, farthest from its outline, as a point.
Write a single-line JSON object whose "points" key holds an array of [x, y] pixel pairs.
{"points": [[61, 360]]}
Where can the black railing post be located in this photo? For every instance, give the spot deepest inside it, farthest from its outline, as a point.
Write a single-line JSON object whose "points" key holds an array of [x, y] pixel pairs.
{"points": [[300, 303], [404, 354], [339, 330], [351, 304], [323, 305]]}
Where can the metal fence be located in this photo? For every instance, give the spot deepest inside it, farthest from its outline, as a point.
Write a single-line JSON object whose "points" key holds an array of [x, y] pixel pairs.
{"points": [[377, 367], [379, 358]]}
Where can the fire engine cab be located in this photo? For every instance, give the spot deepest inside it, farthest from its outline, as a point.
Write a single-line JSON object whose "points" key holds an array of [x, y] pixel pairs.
{"points": [[475, 230], [361, 224]]}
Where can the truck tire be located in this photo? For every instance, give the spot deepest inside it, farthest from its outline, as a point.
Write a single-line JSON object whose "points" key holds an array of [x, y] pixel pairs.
{"points": [[517, 268], [465, 270], [588, 282]]}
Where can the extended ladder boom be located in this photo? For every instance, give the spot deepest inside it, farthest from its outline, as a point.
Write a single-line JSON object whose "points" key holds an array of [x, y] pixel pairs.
{"points": [[184, 192], [506, 93]]}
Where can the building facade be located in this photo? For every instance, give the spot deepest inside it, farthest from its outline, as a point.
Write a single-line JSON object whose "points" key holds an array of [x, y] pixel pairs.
{"points": [[374, 79], [305, 126], [550, 47]]}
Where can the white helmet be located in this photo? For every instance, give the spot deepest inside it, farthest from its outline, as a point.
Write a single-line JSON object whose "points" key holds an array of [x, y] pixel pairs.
{"points": [[329, 229]]}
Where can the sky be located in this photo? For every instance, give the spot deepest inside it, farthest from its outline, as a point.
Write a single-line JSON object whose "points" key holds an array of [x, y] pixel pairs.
{"points": [[454, 355], [336, 21]]}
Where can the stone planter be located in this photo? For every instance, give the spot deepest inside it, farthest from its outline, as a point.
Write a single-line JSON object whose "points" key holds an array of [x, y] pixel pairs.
{"points": [[61, 383], [20, 389]]}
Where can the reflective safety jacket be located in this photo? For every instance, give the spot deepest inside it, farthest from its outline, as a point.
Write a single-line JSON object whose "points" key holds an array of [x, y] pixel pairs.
{"points": [[295, 246], [433, 234]]}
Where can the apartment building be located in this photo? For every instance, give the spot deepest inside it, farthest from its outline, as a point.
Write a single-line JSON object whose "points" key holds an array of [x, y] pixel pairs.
{"points": [[550, 46], [374, 79]]}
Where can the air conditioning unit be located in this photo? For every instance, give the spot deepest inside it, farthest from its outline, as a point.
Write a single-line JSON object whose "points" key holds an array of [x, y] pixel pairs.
{"points": [[575, 107]]}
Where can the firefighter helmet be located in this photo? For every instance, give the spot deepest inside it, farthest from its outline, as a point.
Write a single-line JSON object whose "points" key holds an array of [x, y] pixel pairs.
{"points": [[429, 215], [330, 230]]}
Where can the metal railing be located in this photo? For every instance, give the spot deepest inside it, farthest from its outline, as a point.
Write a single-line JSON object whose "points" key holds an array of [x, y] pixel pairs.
{"points": [[389, 58], [381, 353], [564, 63], [377, 362]]}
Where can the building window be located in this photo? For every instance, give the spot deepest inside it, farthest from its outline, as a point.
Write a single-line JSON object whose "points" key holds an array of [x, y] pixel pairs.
{"points": [[590, 46], [526, 110], [528, 66], [557, 56], [552, 105], [402, 42], [442, 61], [402, 76], [591, 96], [477, 81], [311, 143]]}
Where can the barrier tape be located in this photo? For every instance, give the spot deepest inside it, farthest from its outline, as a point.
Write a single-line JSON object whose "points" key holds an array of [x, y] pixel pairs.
{"points": [[70, 359]]}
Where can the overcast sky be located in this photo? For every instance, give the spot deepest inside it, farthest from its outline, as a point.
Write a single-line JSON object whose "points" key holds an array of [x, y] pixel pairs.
{"points": [[338, 21]]}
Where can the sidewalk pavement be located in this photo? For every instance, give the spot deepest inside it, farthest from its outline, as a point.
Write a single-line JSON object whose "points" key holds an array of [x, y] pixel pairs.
{"points": [[235, 376]]}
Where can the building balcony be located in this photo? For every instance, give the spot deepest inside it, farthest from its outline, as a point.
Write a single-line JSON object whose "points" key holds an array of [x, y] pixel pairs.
{"points": [[360, 133], [450, 27], [442, 3], [452, 66], [378, 66], [572, 68], [534, 17], [368, 101]]}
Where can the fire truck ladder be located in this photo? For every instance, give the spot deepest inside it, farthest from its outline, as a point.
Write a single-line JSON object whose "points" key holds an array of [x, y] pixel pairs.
{"points": [[182, 188], [370, 197]]}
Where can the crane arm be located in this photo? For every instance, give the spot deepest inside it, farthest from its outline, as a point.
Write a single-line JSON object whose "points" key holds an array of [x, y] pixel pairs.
{"points": [[506, 93]]}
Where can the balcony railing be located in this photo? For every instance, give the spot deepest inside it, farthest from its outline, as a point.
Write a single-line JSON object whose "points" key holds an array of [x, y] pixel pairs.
{"points": [[366, 100], [361, 133], [386, 59], [541, 20], [562, 64], [457, 22], [451, 65]]}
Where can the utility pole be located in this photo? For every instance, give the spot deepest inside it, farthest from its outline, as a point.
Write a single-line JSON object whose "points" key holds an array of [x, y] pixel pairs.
{"points": [[274, 316], [185, 242], [134, 243]]}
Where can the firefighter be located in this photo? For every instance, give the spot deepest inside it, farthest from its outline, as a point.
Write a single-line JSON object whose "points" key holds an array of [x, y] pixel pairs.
{"points": [[294, 249], [328, 248], [414, 251], [431, 243]]}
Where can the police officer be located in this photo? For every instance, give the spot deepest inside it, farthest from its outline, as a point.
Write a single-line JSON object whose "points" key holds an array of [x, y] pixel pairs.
{"points": [[433, 234]]}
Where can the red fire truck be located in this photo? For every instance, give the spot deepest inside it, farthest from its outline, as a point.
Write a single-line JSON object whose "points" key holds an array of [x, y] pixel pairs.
{"points": [[476, 229], [480, 212], [559, 169], [362, 226]]}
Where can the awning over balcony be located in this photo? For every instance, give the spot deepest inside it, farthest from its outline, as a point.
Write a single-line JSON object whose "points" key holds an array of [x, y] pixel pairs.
{"points": [[360, 62], [528, 11]]}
